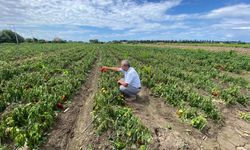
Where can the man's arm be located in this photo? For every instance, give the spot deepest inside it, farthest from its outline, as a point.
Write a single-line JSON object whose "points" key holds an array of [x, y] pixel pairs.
{"points": [[111, 68]]}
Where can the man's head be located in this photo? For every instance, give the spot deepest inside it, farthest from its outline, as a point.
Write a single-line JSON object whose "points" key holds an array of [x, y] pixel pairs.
{"points": [[125, 65]]}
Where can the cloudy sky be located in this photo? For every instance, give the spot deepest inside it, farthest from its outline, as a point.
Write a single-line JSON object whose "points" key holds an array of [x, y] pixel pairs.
{"points": [[128, 19]]}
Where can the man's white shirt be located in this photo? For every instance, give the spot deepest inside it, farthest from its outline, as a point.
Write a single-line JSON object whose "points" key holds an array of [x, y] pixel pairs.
{"points": [[131, 77]]}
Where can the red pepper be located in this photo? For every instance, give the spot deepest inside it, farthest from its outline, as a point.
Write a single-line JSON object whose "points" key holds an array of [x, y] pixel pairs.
{"points": [[59, 106], [103, 69]]}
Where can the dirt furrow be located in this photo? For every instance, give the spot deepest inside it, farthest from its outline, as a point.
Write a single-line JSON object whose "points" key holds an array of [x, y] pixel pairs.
{"points": [[83, 132], [67, 132], [169, 132]]}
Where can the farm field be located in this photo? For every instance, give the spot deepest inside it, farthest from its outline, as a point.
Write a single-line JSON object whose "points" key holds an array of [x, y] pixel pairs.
{"points": [[240, 48], [53, 96], [230, 45]]}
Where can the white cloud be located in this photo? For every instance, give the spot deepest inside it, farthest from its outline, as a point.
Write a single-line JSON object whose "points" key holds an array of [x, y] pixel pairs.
{"points": [[114, 14], [124, 18], [66, 32], [229, 22], [242, 28], [240, 10], [236, 17], [158, 27]]}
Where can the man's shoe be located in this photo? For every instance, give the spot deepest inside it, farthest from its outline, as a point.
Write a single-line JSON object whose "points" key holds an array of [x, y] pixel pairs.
{"points": [[130, 99]]}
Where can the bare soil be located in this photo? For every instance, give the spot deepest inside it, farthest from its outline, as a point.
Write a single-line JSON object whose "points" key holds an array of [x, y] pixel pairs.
{"points": [[169, 132], [210, 48], [69, 131]]}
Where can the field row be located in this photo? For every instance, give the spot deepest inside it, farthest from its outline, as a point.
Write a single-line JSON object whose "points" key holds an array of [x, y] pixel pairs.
{"points": [[33, 92], [38, 81], [191, 80]]}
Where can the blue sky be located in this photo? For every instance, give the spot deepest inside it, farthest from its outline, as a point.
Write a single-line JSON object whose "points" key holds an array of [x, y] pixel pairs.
{"points": [[107, 20]]}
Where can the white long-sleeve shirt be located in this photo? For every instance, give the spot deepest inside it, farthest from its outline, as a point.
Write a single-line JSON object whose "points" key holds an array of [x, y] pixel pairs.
{"points": [[131, 77]]}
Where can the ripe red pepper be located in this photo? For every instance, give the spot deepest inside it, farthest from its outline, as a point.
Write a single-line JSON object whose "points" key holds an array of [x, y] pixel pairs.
{"points": [[103, 69], [59, 106]]}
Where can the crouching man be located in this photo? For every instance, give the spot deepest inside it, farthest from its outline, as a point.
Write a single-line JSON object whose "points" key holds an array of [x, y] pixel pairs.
{"points": [[130, 85]]}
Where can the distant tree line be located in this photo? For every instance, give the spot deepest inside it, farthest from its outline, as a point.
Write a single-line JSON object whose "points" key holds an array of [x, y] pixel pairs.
{"points": [[8, 36], [96, 41], [175, 41], [35, 40]]}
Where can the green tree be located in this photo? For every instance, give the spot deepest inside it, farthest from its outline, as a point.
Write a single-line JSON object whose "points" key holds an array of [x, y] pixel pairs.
{"points": [[29, 40], [94, 41], [58, 40], [8, 36]]}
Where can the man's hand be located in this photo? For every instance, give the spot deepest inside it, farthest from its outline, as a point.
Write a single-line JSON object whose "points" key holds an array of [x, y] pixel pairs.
{"points": [[121, 82], [104, 68]]}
